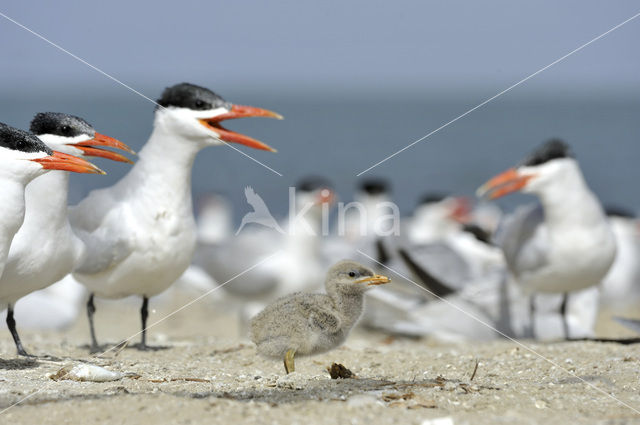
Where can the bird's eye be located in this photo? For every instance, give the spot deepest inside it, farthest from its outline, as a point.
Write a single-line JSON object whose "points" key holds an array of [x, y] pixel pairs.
{"points": [[352, 274], [66, 129], [199, 103], [20, 144]]}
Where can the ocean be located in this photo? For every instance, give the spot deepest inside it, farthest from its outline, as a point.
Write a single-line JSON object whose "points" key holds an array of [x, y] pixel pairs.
{"points": [[338, 134]]}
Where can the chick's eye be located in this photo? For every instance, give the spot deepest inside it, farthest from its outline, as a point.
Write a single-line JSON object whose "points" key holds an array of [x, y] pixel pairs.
{"points": [[352, 274]]}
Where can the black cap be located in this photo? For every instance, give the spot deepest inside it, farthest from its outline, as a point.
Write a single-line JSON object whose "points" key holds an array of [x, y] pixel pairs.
{"points": [[311, 183], [60, 124], [374, 186], [19, 140], [552, 149], [185, 95], [432, 197], [618, 211]]}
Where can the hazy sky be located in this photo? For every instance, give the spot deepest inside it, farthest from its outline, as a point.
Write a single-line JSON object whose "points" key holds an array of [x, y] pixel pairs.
{"points": [[341, 72], [294, 43]]}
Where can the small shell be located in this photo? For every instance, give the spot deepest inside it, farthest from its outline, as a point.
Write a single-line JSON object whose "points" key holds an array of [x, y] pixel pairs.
{"points": [[86, 372]]}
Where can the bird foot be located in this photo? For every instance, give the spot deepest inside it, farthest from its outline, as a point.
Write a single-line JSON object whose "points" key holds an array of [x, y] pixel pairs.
{"points": [[23, 353], [95, 349], [144, 347]]}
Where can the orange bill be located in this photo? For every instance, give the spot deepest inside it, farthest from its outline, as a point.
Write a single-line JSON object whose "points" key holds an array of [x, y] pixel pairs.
{"points": [[64, 162], [238, 111], [503, 184], [94, 147]]}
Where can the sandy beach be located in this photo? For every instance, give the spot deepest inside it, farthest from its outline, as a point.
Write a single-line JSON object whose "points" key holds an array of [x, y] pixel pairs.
{"points": [[206, 373]]}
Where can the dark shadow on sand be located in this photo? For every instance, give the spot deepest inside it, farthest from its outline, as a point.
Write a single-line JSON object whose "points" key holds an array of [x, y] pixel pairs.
{"points": [[621, 341], [19, 363], [111, 347], [334, 389]]}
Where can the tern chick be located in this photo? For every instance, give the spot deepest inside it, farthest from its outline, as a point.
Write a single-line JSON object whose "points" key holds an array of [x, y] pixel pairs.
{"points": [[306, 324]]}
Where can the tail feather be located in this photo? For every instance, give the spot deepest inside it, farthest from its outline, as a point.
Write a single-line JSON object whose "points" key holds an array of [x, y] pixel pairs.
{"points": [[425, 278]]}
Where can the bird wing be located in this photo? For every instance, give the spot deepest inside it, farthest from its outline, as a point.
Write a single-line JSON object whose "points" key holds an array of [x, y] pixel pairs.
{"points": [[93, 210], [100, 222], [255, 200], [632, 324], [103, 249], [440, 261], [524, 240], [319, 317]]}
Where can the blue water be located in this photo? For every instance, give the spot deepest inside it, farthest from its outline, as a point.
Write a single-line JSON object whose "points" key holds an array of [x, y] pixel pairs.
{"points": [[340, 134]]}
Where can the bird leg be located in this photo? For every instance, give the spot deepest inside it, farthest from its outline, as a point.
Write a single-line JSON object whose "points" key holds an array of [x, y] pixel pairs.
{"points": [[91, 309], [11, 324], [532, 316], [289, 363], [563, 315], [144, 313]]}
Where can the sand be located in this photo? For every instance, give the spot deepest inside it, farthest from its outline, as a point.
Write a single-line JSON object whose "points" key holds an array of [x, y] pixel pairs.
{"points": [[206, 373]]}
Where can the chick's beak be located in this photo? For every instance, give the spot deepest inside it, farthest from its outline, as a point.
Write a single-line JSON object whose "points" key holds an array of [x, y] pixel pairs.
{"points": [[503, 184], [239, 111], [376, 279], [62, 161], [94, 147]]}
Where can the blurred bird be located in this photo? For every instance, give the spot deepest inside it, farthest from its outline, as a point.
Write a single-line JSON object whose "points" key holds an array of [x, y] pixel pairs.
{"points": [[54, 308], [621, 286], [45, 249], [214, 218], [142, 228], [295, 259], [436, 217], [440, 251], [363, 217], [306, 324], [564, 245], [23, 157], [443, 251]]}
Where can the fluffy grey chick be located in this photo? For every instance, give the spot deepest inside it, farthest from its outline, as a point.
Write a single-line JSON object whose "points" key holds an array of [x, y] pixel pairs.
{"points": [[307, 324]]}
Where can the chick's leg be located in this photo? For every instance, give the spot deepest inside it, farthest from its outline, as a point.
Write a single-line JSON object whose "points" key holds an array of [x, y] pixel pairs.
{"points": [[289, 363]]}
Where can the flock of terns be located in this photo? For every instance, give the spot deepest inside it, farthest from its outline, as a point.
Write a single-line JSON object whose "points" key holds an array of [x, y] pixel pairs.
{"points": [[459, 272]]}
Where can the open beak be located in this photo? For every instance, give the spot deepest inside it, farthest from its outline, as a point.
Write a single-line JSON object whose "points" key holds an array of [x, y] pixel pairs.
{"points": [[376, 279], [238, 111], [94, 147], [326, 196], [62, 161], [503, 184], [461, 209]]}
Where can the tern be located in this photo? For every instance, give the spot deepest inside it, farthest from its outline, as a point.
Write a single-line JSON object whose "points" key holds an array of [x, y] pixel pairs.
{"points": [[364, 218], [23, 157], [45, 249], [566, 244], [621, 286], [265, 263], [142, 228]]}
